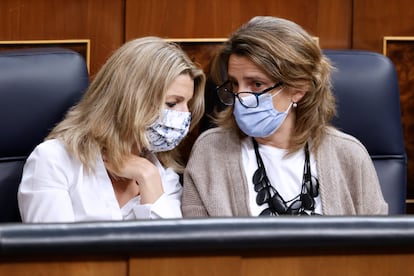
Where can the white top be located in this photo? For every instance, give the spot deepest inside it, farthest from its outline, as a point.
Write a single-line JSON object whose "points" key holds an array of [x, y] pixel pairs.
{"points": [[285, 173], [56, 188]]}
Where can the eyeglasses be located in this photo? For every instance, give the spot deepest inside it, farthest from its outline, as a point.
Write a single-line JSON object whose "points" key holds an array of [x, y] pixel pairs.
{"points": [[266, 193], [227, 96]]}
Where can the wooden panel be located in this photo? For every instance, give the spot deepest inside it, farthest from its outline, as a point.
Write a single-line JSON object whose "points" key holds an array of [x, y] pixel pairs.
{"points": [[67, 267], [220, 265], [269, 265], [101, 21], [401, 52], [330, 265], [334, 24], [374, 19], [329, 20], [186, 266], [309, 264]]}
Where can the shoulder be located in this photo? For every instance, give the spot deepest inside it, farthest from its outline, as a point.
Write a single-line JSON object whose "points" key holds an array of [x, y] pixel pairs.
{"points": [[51, 151], [215, 133], [52, 147], [343, 143], [50, 165], [217, 139]]}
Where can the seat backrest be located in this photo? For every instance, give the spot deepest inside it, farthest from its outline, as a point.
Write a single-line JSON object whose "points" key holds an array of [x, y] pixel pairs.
{"points": [[368, 100], [37, 87]]}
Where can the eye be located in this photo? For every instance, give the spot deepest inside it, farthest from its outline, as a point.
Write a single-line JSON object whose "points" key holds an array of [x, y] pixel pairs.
{"points": [[258, 85], [171, 104]]}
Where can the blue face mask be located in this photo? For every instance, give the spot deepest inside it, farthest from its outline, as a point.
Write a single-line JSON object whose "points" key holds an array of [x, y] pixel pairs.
{"points": [[262, 120]]}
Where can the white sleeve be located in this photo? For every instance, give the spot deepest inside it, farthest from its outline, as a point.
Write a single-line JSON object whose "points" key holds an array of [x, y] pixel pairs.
{"points": [[43, 194], [169, 204]]}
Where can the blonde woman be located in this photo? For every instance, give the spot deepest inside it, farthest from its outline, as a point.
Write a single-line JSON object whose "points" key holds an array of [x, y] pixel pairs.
{"points": [[275, 152], [113, 157]]}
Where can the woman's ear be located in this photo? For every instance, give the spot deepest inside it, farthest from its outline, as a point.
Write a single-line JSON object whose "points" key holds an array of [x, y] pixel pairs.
{"points": [[298, 93]]}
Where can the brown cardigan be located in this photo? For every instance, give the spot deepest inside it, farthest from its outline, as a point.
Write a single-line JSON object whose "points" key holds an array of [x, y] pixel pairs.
{"points": [[215, 183]]}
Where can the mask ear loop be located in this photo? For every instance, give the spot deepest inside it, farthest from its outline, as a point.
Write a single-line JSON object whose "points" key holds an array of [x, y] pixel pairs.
{"points": [[278, 92], [294, 104], [291, 105]]}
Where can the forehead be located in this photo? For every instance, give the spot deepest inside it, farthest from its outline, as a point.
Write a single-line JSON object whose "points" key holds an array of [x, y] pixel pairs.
{"points": [[182, 86], [241, 67]]}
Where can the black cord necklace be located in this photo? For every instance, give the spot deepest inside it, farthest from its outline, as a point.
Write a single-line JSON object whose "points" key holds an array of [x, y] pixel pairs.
{"points": [[302, 204]]}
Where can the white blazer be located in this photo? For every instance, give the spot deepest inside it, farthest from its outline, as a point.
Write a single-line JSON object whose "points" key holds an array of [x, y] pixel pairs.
{"points": [[56, 188]]}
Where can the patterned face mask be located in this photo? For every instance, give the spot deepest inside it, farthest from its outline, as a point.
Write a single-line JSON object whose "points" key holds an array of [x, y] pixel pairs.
{"points": [[168, 131]]}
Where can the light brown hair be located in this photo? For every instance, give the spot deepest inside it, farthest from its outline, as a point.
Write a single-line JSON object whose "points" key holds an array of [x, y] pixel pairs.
{"points": [[286, 53], [125, 97]]}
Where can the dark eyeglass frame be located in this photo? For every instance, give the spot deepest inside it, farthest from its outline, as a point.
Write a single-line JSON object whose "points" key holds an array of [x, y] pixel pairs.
{"points": [[233, 95]]}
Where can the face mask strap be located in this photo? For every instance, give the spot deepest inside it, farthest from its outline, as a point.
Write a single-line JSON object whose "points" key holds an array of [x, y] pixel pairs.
{"points": [[292, 103], [290, 106], [278, 92]]}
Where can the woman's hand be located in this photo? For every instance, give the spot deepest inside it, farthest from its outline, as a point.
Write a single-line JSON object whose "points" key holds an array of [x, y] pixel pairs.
{"points": [[145, 174]]}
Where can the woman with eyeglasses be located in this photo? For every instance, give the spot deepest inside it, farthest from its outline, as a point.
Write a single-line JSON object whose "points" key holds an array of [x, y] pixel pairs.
{"points": [[274, 151], [114, 155]]}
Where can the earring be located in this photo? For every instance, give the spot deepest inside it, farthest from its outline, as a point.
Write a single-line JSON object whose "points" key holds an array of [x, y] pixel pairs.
{"points": [[294, 104]]}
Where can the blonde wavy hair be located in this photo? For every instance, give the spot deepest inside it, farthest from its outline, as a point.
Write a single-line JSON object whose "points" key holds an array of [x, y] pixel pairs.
{"points": [[125, 97], [287, 53]]}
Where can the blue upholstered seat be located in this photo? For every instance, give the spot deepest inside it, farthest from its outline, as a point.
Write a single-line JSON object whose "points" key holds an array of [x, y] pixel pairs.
{"points": [[37, 87], [366, 87]]}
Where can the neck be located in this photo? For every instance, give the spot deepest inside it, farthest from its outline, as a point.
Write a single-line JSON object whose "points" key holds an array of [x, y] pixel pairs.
{"points": [[281, 138]]}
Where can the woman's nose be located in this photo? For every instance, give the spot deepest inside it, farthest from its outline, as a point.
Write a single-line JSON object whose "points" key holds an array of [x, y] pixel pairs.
{"points": [[241, 88], [184, 108]]}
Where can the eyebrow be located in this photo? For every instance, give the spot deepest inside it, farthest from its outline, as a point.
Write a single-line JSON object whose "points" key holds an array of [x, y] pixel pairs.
{"points": [[252, 78], [176, 97]]}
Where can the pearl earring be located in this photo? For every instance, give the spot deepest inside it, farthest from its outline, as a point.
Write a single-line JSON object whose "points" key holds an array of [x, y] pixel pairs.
{"points": [[294, 104]]}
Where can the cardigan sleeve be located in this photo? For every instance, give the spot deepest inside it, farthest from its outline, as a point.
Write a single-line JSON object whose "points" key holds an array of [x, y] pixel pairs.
{"points": [[373, 202], [348, 180], [192, 205], [214, 180]]}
